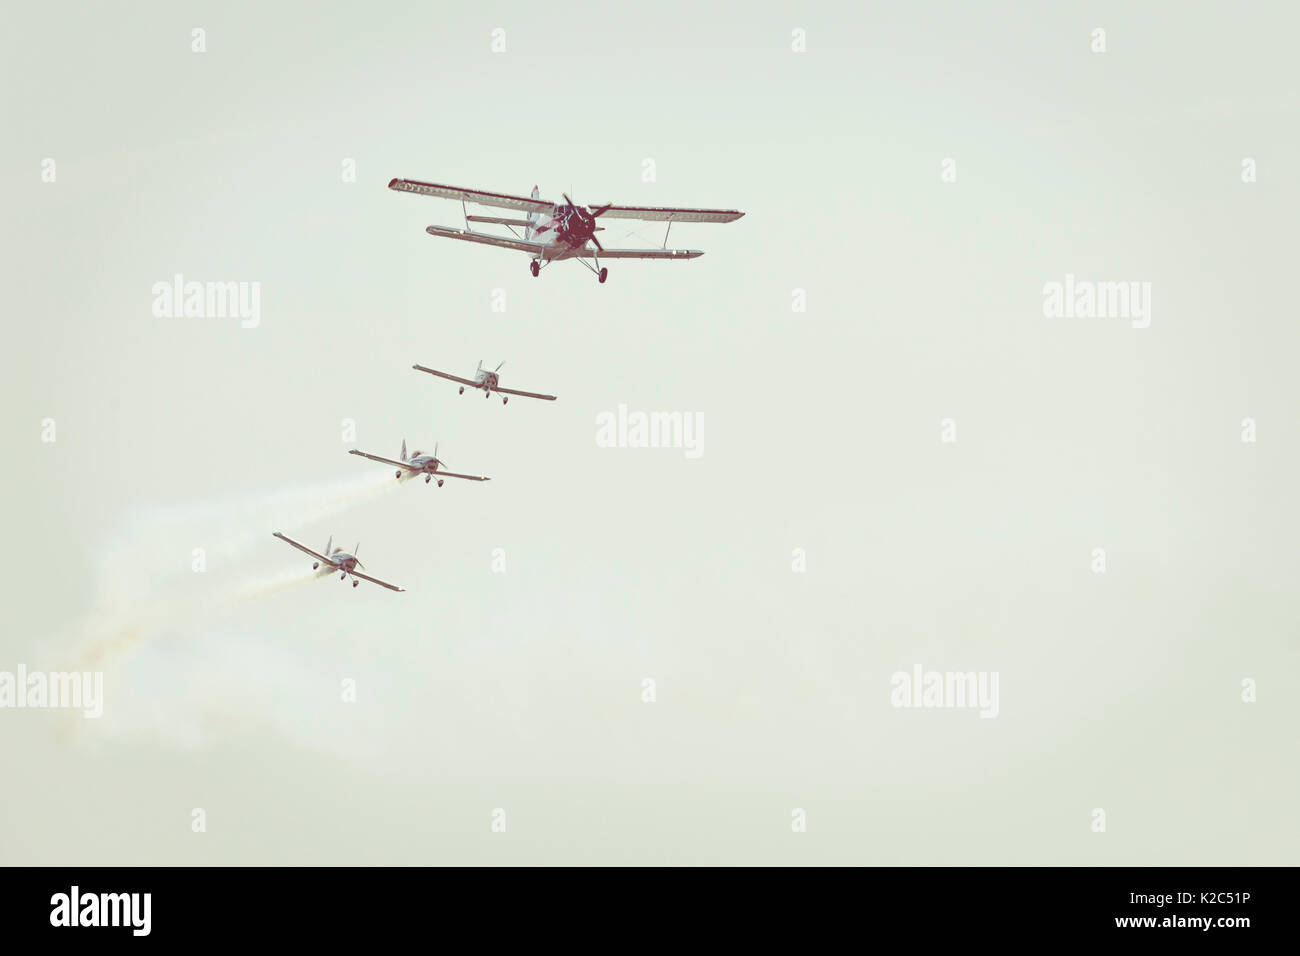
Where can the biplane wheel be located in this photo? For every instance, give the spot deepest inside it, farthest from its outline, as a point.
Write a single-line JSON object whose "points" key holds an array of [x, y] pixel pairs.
{"points": [[604, 274], [534, 268], [355, 583]]}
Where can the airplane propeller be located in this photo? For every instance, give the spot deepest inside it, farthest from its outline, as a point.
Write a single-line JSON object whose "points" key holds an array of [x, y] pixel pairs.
{"points": [[588, 217], [354, 554]]}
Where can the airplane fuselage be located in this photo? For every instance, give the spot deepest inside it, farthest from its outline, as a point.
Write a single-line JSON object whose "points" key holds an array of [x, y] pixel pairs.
{"points": [[338, 561], [423, 463], [565, 233]]}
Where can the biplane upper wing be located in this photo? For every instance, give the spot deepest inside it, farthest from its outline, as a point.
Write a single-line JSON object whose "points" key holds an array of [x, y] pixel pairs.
{"points": [[302, 547], [383, 584], [504, 242], [387, 461], [478, 196], [667, 214], [512, 391], [446, 375]]}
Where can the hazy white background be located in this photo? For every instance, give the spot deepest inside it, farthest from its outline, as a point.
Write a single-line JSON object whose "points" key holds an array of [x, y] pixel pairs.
{"points": [[522, 690]]}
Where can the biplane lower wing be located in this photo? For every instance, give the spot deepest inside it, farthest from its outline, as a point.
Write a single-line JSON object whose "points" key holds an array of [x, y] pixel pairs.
{"points": [[502, 242], [642, 254]]}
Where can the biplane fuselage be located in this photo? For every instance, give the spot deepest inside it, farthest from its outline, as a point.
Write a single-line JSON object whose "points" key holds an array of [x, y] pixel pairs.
{"points": [[563, 234]]}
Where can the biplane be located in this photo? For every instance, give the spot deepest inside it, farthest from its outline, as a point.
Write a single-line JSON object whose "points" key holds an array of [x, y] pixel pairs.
{"points": [[549, 231]]}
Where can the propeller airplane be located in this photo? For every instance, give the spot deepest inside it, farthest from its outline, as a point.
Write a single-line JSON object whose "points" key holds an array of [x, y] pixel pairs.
{"points": [[554, 231]]}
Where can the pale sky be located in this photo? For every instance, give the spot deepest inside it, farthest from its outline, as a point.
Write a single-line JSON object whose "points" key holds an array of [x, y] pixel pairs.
{"points": [[523, 691]]}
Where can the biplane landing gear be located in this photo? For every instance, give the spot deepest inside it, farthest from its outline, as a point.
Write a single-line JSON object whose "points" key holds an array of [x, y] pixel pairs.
{"points": [[603, 274], [534, 268]]}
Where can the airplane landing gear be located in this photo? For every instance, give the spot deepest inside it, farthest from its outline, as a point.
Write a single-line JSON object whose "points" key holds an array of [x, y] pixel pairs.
{"points": [[603, 274], [315, 566], [505, 399], [398, 475], [429, 478], [462, 390], [439, 482], [487, 393], [534, 268], [355, 583], [343, 575]]}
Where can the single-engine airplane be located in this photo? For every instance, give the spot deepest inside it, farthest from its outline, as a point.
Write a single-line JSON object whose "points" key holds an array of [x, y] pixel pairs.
{"points": [[419, 463], [488, 381], [336, 559], [553, 231]]}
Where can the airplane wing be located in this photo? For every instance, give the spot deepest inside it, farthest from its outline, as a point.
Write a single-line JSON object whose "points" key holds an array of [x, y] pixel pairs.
{"points": [[386, 461], [452, 474], [642, 254], [668, 214], [511, 391], [479, 196], [302, 547], [384, 584], [504, 242], [454, 378]]}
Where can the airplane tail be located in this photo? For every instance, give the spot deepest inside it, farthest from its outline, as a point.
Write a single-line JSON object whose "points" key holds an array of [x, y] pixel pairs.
{"points": [[403, 449], [329, 544], [532, 217]]}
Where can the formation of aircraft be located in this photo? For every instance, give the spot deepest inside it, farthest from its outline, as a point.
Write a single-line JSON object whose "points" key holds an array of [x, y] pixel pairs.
{"points": [[419, 463], [488, 381], [336, 559], [552, 231], [408, 466]]}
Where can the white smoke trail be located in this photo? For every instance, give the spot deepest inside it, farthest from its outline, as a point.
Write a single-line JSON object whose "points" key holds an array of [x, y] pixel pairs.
{"points": [[144, 587]]}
